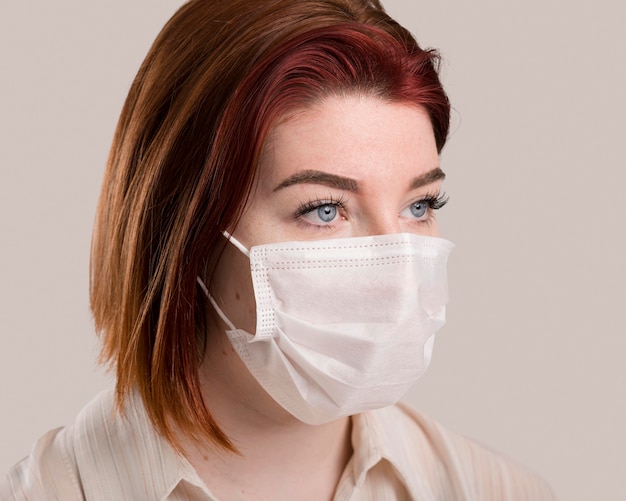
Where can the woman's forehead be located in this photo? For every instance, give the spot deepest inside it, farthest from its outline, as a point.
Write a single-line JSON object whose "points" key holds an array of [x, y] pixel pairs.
{"points": [[348, 135]]}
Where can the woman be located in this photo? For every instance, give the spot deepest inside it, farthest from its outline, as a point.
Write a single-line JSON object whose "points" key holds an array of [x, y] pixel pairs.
{"points": [[267, 272]]}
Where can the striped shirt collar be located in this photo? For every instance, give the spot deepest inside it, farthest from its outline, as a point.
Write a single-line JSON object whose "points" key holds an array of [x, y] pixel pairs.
{"points": [[146, 463]]}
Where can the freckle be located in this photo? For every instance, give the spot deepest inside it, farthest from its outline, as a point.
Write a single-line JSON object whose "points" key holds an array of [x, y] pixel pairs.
{"points": [[224, 352], [237, 296]]}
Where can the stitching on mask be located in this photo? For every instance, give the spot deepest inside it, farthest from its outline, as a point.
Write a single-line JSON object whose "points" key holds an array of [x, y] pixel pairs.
{"points": [[303, 266], [421, 245], [379, 261]]}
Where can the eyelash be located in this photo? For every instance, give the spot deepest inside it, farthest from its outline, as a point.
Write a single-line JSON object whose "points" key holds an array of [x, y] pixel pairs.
{"points": [[434, 202], [312, 205]]}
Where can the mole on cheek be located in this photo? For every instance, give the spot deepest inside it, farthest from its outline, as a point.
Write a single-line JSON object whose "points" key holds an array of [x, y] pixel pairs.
{"points": [[237, 296]]}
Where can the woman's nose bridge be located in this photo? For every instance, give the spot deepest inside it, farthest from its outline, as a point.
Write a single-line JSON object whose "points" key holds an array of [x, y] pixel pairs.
{"points": [[385, 221], [381, 222]]}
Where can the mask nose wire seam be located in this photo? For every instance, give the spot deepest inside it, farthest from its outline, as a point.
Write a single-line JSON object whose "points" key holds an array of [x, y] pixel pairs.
{"points": [[217, 309]]}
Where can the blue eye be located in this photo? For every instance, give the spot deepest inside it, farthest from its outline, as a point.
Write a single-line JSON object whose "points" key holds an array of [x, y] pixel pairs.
{"points": [[418, 209], [421, 210], [327, 212], [322, 213]]}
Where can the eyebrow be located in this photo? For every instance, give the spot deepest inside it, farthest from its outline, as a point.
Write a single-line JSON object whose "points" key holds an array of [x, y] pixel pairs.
{"points": [[349, 184], [319, 177], [427, 178]]}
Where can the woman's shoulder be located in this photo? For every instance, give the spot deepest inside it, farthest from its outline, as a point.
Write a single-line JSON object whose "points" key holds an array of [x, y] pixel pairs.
{"points": [[107, 453], [51, 471], [48, 472], [471, 470]]}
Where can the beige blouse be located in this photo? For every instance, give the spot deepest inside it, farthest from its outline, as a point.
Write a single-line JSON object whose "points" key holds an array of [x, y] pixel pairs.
{"points": [[399, 454]]}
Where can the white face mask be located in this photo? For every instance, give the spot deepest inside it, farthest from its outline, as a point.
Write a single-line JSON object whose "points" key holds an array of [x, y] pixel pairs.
{"points": [[343, 325]]}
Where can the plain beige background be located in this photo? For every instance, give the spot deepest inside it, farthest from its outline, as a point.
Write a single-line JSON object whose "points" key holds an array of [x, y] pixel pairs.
{"points": [[532, 359]]}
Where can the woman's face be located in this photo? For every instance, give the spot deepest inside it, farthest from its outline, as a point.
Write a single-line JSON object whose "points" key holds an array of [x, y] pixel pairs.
{"points": [[346, 167]]}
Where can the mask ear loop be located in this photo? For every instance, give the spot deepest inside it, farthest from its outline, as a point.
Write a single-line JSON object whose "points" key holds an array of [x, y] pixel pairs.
{"points": [[236, 243], [218, 310]]}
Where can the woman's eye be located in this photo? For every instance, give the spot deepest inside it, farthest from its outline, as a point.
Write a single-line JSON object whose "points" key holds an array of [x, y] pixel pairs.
{"points": [[422, 210], [327, 213], [322, 214], [419, 209]]}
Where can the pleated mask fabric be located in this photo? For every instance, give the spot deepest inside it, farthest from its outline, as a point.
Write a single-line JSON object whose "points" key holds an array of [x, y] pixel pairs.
{"points": [[343, 325]]}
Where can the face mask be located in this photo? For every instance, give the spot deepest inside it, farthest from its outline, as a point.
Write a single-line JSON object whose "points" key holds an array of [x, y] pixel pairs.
{"points": [[344, 325]]}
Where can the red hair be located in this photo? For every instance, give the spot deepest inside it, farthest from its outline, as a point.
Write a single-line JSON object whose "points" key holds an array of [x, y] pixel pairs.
{"points": [[185, 156]]}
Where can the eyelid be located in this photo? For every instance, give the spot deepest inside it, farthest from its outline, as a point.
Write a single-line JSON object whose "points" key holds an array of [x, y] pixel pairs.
{"points": [[313, 204], [434, 201], [436, 198]]}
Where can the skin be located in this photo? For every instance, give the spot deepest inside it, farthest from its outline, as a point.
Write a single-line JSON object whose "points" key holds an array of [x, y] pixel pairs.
{"points": [[386, 157]]}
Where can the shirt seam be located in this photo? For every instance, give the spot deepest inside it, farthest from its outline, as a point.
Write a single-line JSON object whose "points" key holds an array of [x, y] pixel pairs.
{"points": [[74, 478]]}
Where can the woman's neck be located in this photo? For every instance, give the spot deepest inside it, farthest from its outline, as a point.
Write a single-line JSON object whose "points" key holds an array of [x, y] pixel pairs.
{"points": [[278, 454]]}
